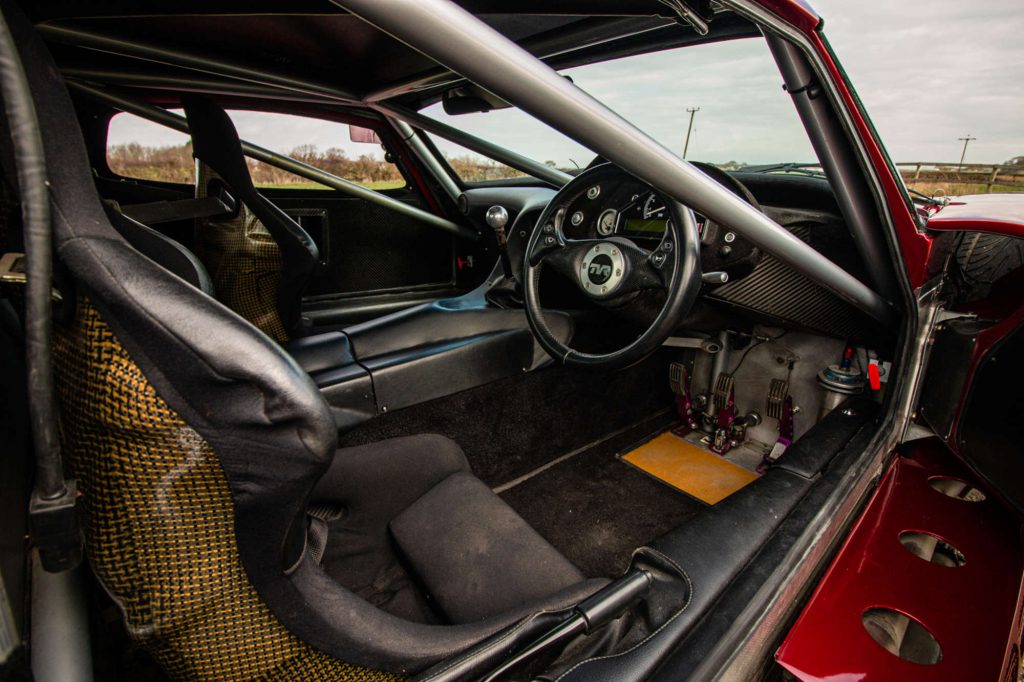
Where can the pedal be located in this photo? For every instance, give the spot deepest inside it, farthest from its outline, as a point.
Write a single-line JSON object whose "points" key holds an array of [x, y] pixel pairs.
{"points": [[785, 435], [724, 400], [778, 389], [722, 393], [678, 378], [679, 381]]}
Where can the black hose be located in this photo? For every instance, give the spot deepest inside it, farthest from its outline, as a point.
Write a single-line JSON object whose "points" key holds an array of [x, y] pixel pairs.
{"points": [[35, 208]]}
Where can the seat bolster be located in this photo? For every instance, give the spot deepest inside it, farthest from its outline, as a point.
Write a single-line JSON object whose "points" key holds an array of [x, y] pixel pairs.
{"points": [[476, 557], [163, 250]]}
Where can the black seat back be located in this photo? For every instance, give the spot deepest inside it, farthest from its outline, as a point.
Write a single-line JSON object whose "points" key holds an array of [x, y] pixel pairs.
{"points": [[260, 259], [162, 249]]}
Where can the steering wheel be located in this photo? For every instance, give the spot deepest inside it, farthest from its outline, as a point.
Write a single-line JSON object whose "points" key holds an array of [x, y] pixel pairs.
{"points": [[610, 269]]}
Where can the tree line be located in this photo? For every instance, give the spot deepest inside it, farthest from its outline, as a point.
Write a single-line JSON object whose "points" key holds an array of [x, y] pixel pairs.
{"points": [[175, 164]]}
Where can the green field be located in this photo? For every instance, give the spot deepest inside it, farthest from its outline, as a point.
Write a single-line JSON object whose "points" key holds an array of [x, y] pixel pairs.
{"points": [[952, 189], [384, 184]]}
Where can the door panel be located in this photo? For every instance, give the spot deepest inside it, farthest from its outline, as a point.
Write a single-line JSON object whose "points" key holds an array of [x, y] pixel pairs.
{"points": [[373, 260]]}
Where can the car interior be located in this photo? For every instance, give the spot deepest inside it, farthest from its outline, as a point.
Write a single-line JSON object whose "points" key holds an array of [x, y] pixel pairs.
{"points": [[371, 434]]}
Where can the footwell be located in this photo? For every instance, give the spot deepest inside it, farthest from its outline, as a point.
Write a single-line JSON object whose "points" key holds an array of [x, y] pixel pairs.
{"points": [[596, 510]]}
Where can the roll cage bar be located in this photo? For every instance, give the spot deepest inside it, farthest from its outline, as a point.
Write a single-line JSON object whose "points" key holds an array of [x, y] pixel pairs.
{"points": [[468, 46]]}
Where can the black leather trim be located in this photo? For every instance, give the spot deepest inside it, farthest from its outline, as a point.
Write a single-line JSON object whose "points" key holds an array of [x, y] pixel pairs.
{"points": [[809, 456], [349, 392], [319, 352], [710, 550], [414, 376], [486, 655], [762, 571]]}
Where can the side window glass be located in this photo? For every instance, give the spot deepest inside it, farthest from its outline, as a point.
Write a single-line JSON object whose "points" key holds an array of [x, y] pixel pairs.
{"points": [[143, 150]]}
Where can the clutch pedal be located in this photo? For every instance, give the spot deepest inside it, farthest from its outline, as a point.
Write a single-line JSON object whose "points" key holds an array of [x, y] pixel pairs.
{"points": [[679, 381]]}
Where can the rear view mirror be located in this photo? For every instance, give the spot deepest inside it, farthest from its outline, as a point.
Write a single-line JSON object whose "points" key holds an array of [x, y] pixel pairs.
{"points": [[363, 135], [469, 99]]}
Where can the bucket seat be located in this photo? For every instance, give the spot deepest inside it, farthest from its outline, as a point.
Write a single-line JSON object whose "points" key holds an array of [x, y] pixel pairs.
{"points": [[219, 514], [259, 258]]}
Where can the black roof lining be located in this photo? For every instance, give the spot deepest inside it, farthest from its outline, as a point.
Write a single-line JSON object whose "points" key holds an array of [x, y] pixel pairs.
{"points": [[338, 50]]}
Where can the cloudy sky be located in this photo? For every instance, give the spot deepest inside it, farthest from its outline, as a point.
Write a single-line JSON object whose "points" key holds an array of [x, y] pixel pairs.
{"points": [[928, 71]]}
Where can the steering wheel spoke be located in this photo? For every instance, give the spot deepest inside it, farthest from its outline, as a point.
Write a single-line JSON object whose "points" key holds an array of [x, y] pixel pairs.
{"points": [[550, 242], [652, 271]]}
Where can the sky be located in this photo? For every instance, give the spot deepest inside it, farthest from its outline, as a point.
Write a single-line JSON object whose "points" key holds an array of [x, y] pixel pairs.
{"points": [[928, 72]]}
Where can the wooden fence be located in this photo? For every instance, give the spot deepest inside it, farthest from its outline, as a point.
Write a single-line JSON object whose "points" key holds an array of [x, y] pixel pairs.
{"points": [[984, 174]]}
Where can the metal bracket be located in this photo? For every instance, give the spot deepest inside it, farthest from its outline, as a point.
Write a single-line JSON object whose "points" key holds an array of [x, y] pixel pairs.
{"points": [[12, 271], [688, 15], [12, 268], [53, 525]]}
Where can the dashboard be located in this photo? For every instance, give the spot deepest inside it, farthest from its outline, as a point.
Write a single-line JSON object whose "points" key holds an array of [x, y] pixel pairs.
{"points": [[629, 209], [634, 211], [759, 286]]}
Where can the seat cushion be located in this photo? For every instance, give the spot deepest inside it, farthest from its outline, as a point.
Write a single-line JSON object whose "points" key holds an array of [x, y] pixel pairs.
{"points": [[475, 556]]}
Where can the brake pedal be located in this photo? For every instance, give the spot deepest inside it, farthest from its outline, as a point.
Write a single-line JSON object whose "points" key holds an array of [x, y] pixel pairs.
{"points": [[777, 392], [723, 398], [722, 394]]}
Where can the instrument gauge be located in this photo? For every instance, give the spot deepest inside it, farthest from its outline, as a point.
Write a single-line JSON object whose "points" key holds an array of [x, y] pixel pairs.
{"points": [[654, 207], [606, 222]]}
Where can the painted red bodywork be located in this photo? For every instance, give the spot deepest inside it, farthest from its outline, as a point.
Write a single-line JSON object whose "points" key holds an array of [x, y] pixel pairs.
{"points": [[971, 610], [795, 12], [997, 213], [974, 611]]}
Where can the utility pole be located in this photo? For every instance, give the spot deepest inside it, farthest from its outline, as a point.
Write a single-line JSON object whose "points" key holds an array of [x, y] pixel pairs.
{"points": [[692, 111], [965, 140]]}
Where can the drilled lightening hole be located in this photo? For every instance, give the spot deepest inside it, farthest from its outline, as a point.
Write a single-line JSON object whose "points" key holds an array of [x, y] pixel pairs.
{"points": [[954, 487], [902, 636], [932, 549]]}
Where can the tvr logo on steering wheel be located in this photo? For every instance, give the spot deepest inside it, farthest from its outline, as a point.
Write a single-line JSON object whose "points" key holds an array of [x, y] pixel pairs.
{"points": [[602, 270]]}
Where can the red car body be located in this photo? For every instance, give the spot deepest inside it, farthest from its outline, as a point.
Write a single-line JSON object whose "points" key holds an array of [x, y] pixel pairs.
{"points": [[973, 611]]}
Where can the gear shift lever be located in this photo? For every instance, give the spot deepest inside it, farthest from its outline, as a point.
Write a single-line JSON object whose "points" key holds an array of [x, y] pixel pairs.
{"points": [[497, 218]]}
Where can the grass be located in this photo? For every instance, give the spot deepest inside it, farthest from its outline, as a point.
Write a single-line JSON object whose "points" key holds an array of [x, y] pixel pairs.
{"points": [[952, 189], [383, 184]]}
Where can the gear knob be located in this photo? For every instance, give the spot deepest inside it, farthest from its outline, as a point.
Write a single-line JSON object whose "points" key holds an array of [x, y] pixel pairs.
{"points": [[497, 217]]}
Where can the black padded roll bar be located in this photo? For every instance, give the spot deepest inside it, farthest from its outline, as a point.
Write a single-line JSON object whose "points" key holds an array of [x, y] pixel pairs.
{"points": [[52, 517]]}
